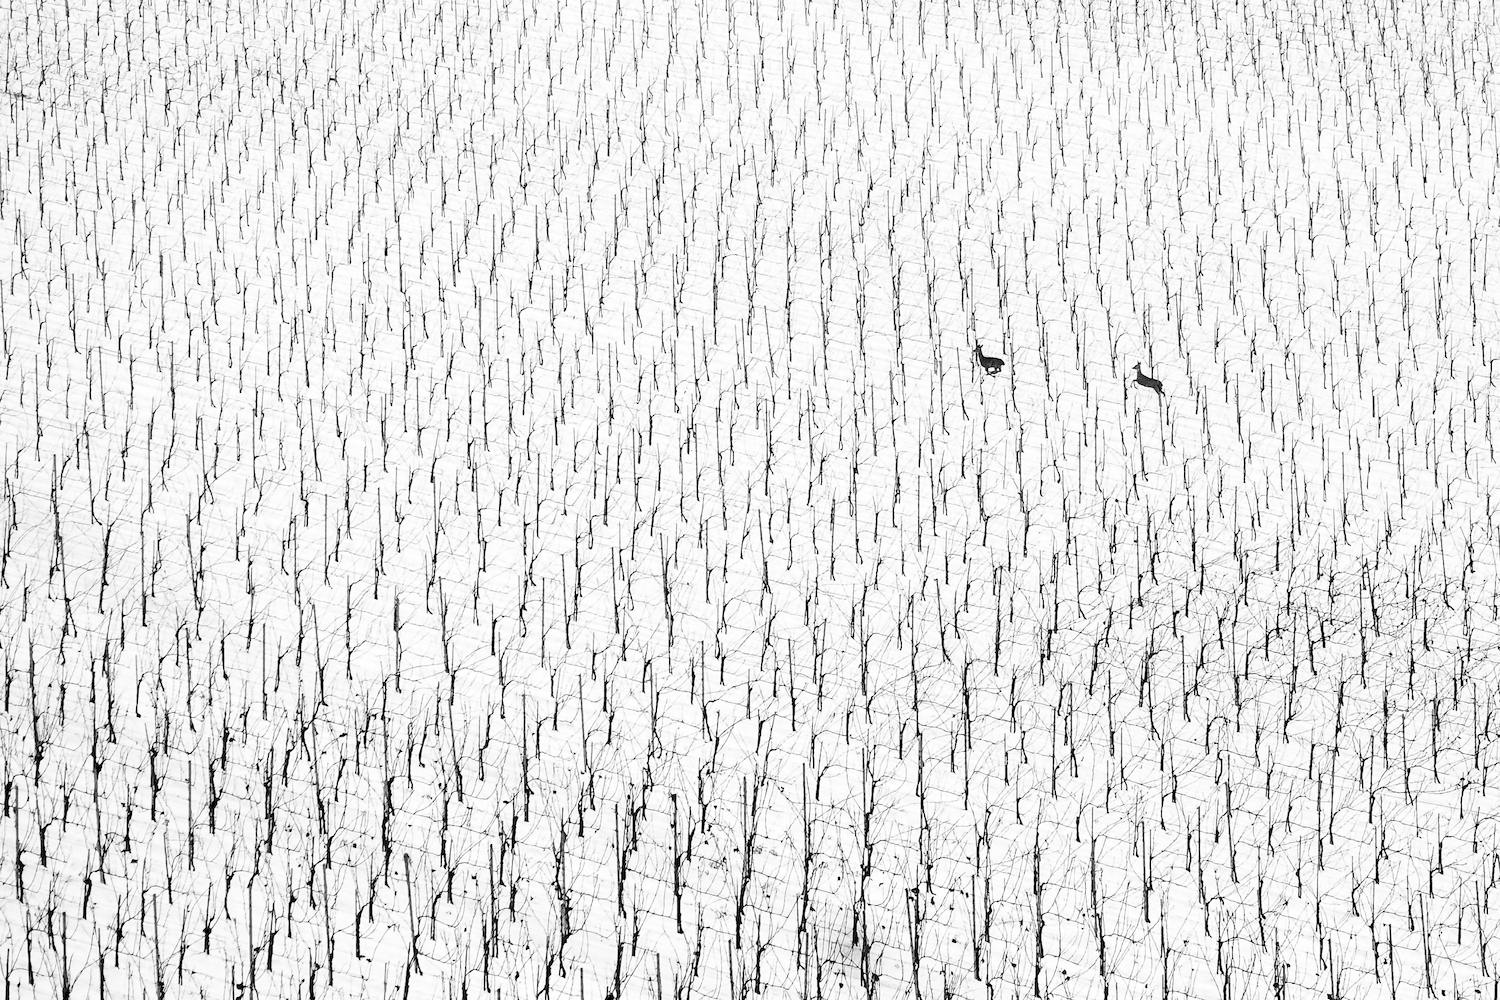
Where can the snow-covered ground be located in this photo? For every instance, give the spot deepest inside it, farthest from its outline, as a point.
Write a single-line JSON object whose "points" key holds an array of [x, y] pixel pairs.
{"points": [[497, 499]]}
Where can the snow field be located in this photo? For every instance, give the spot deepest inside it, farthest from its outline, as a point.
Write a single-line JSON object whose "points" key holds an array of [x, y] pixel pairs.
{"points": [[497, 500]]}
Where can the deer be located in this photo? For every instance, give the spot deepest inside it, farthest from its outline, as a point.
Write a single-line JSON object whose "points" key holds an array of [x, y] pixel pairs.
{"points": [[1142, 378], [991, 365]]}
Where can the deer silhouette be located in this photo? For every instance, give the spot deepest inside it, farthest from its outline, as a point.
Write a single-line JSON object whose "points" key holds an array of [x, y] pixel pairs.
{"points": [[1142, 378], [991, 365]]}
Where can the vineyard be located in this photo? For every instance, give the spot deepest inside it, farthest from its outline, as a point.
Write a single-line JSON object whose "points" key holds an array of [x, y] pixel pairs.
{"points": [[605, 500]]}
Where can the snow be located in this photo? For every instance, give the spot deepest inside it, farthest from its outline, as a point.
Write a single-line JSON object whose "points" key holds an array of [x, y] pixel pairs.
{"points": [[498, 499]]}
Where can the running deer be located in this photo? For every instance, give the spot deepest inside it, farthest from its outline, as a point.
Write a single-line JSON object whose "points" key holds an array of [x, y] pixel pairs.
{"points": [[1142, 378], [991, 365]]}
